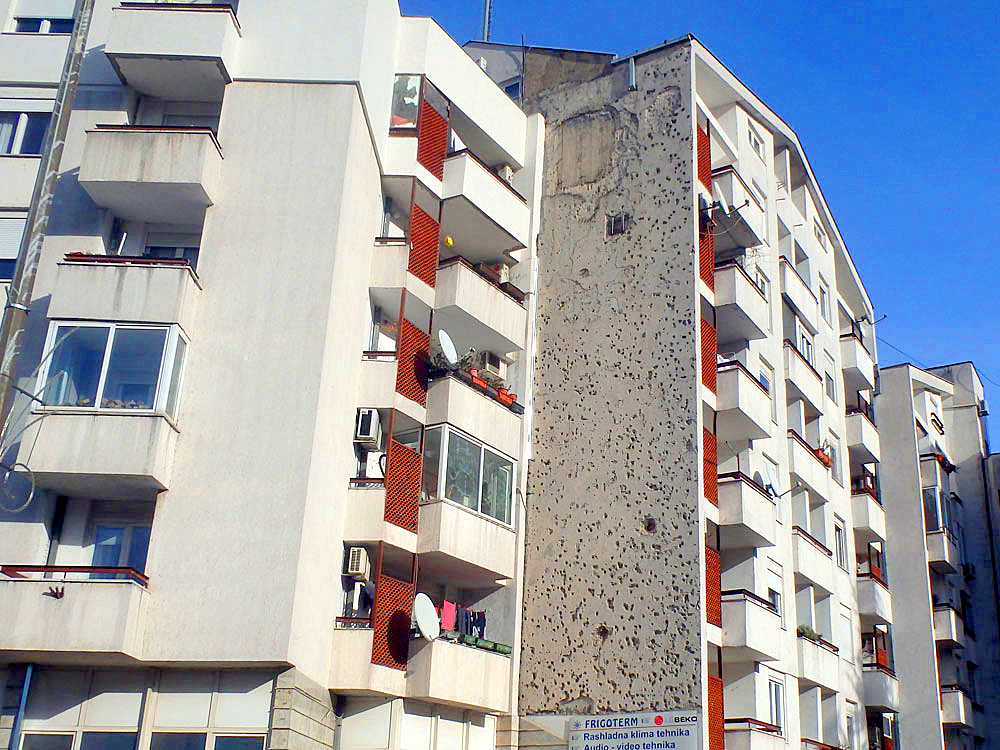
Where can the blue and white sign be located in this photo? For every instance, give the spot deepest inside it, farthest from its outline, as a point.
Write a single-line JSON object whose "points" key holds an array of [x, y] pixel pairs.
{"points": [[651, 730]]}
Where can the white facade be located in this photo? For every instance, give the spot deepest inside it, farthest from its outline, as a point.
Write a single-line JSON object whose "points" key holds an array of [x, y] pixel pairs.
{"points": [[244, 253]]}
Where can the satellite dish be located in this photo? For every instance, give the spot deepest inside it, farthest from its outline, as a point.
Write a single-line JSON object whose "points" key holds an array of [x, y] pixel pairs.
{"points": [[771, 481], [447, 349], [427, 620]]}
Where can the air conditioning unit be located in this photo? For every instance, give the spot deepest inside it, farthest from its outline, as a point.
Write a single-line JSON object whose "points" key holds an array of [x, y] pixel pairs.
{"points": [[358, 566], [368, 428], [491, 363], [506, 173]]}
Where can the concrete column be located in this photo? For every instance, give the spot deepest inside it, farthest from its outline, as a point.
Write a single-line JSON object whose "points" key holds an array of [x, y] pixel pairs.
{"points": [[302, 716]]}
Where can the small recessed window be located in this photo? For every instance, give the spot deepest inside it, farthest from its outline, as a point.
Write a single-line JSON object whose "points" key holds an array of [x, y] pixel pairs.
{"points": [[7, 269], [756, 142], [513, 90], [618, 224], [27, 25], [824, 301], [23, 132], [840, 540], [60, 25], [820, 234]]}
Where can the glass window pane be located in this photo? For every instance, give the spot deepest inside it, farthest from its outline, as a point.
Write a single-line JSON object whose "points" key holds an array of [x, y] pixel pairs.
{"points": [[498, 481], [462, 471], [75, 367], [8, 124], [239, 743], [138, 548], [108, 741], [60, 25], [178, 741], [28, 24], [405, 100], [7, 268], [134, 368], [108, 542], [34, 132], [175, 377], [47, 742], [432, 461]]}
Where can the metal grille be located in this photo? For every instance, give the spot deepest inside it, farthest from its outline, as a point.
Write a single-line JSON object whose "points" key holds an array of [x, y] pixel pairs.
{"points": [[706, 254], [432, 140], [716, 714], [391, 622], [704, 159], [709, 355], [424, 239], [713, 587], [402, 486], [710, 464], [411, 368]]}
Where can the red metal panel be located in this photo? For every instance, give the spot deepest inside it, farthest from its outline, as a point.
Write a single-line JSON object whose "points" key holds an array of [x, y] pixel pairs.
{"points": [[391, 639], [709, 355], [713, 587], [424, 239], [716, 714], [402, 486], [710, 464], [706, 254], [432, 140], [704, 159], [411, 369]]}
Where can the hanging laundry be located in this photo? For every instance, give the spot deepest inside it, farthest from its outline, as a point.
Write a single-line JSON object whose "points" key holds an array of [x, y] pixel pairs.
{"points": [[448, 613]]}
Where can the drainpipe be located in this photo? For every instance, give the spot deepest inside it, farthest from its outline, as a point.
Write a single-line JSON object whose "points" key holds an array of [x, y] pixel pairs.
{"points": [[22, 285], [15, 732]]}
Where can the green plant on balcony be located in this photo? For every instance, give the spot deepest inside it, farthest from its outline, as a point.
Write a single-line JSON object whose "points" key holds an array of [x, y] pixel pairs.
{"points": [[804, 631]]}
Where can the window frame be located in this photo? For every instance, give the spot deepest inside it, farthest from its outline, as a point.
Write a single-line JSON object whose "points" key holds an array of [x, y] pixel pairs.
{"points": [[44, 25], [128, 537], [164, 376], [824, 300], [14, 147], [819, 233], [776, 703], [756, 141], [840, 542]]}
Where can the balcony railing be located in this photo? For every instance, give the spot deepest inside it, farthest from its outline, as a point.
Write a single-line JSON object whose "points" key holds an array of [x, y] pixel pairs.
{"points": [[750, 597], [795, 350], [746, 722], [862, 407], [134, 260], [471, 378], [808, 744], [485, 166], [867, 484], [812, 540], [817, 453], [92, 572], [854, 332], [486, 273]]}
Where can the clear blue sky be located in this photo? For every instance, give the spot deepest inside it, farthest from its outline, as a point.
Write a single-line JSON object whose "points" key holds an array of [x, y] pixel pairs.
{"points": [[895, 106]]}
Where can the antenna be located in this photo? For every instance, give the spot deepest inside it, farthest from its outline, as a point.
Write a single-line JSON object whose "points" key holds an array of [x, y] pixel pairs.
{"points": [[487, 19], [425, 617], [448, 347]]}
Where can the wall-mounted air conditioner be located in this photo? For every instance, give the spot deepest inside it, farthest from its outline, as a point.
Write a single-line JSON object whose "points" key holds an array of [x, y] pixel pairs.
{"points": [[358, 566], [491, 363], [368, 428]]}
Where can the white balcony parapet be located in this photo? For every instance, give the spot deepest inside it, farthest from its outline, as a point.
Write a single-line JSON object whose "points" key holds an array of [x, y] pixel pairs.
{"points": [[881, 688], [802, 378], [805, 464], [352, 671], [874, 599], [753, 734], [740, 215], [862, 438], [942, 551], [365, 522], [956, 706], [741, 310], [798, 294], [444, 672], [868, 517], [857, 363], [179, 52], [473, 411], [751, 627], [747, 513], [949, 629], [812, 560], [819, 663], [743, 404], [465, 547]]}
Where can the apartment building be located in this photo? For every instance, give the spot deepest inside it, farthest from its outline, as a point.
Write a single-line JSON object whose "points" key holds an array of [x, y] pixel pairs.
{"points": [[704, 530], [277, 382], [942, 552]]}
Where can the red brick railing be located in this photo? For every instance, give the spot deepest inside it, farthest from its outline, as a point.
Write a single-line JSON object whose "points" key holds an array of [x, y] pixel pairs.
{"points": [[713, 587], [710, 465], [709, 355], [716, 714]]}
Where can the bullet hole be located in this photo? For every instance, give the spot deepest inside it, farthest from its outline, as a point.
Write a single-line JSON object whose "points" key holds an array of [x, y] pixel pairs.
{"points": [[650, 525], [603, 632], [584, 273]]}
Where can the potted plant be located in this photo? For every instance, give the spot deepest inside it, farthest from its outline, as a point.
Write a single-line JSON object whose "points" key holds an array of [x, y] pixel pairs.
{"points": [[804, 631], [824, 458], [476, 380]]}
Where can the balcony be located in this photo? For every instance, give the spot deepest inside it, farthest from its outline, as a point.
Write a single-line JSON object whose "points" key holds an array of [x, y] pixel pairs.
{"points": [[942, 551], [484, 215], [949, 630], [377, 386], [75, 615], [474, 411], [797, 293], [812, 560], [125, 289], [956, 706], [802, 379], [466, 548], [747, 514], [352, 671], [753, 734], [751, 627], [152, 174], [99, 452], [874, 599], [881, 688], [444, 672], [741, 310], [743, 405], [390, 273], [819, 663], [476, 311], [868, 515], [862, 438], [805, 464], [740, 218], [365, 523], [857, 363], [174, 51]]}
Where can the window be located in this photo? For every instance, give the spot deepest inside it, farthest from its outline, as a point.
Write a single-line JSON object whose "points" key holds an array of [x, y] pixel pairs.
{"points": [[178, 741], [123, 546], [756, 142], [513, 89], [27, 25], [766, 378], [805, 342], [819, 234], [47, 742], [466, 472], [618, 223], [840, 541], [932, 510], [108, 741], [850, 731], [764, 284], [836, 470], [113, 366], [190, 254], [776, 691], [824, 300], [774, 587], [405, 101], [831, 386], [239, 743], [23, 133]]}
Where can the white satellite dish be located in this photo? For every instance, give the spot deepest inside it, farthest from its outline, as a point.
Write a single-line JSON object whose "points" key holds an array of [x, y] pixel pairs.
{"points": [[426, 618], [448, 347], [771, 481]]}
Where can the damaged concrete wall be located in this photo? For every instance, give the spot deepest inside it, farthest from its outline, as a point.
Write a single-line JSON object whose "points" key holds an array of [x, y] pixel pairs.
{"points": [[612, 617]]}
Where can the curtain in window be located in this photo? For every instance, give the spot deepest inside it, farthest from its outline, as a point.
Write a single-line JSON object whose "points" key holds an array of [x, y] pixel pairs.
{"points": [[108, 541]]}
